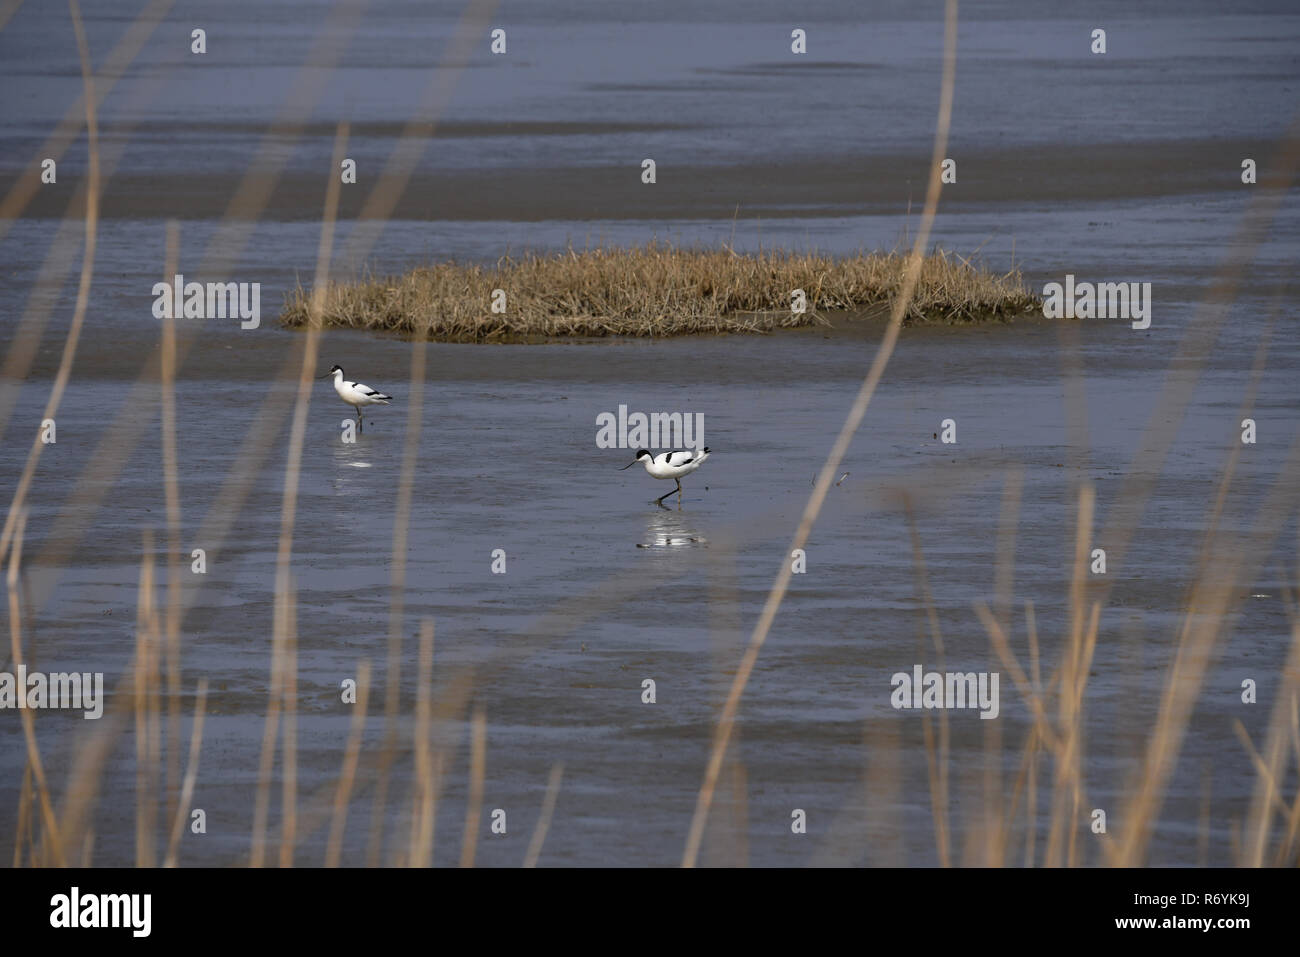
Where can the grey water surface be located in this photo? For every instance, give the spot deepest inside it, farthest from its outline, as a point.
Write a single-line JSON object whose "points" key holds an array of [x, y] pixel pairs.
{"points": [[1122, 167]]}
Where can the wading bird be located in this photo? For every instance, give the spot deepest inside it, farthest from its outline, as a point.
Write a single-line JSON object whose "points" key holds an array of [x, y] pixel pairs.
{"points": [[354, 393], [669, 465]]}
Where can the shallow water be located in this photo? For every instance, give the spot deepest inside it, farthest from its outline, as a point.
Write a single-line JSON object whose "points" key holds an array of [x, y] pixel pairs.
{"points": [[555, 650]]}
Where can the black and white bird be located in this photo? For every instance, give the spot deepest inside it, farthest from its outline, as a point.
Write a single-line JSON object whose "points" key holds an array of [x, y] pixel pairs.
{"points": [[670, 465], [355, 394]]}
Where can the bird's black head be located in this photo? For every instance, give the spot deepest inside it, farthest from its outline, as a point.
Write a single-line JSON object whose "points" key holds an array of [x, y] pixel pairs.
{"points": [[639, 454], [333, 369]]}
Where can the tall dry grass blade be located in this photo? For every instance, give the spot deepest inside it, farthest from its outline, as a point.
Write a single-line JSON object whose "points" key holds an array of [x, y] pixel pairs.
{"points": [[1032, 696], [191, 775], [52, 838], [1203, 827], [424, 809], [1272, 766], [24, 813], [1286, 849], [830, 468], [1023, 786], [544, 820], [1031, 804], [1065, 825], [1004, 574], [171, 486], [270, 727], [289, 748], [86, 770], [474, 800], [739, 811], [996, 827], [145, 677], [936, 756]]}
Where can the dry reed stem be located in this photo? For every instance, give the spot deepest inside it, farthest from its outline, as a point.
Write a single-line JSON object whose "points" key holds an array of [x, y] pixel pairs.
{"points": [[1273, 765], [271, 724], [171, 487], [145, 674], [24, 814], [936, 757], [1031, 807], [289, 748], [1070, 700], [1285, 850], [997, 827], [87, 768], [424, 805], [25, 714], [1067, 781], [544, 820], [191, 775], [477, 770]]}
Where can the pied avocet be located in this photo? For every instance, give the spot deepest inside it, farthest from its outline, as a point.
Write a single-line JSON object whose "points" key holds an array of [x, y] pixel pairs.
{"points": [[669, 465], [355, 394]]}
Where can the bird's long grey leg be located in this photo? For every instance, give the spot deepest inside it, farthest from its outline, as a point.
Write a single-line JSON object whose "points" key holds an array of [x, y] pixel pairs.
{"points": [[360, 425], [677, 491]]}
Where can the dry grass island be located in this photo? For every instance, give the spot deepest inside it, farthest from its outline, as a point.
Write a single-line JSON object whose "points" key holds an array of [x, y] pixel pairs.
{"points": [[656, 290]]}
